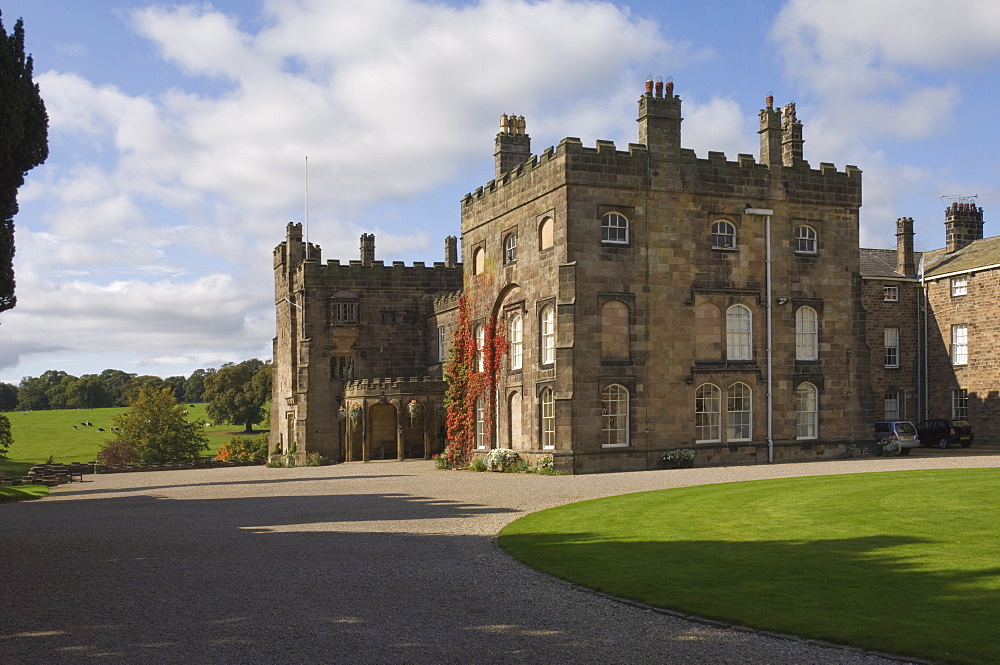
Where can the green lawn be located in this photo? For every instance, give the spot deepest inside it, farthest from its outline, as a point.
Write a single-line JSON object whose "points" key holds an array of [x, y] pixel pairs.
{"points": [[39, 434], [905, 562], [23, 493]]}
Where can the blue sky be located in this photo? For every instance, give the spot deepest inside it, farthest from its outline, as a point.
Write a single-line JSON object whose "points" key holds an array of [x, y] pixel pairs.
{"points": [[179, 132]]}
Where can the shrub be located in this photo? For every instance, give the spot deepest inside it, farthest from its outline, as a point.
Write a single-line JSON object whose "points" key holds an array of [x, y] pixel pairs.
{"points": [[888, 447], [117, 453], [440, 461], [477, 465], [314, 459], [679, 457], [500, 459], [244, 449]]}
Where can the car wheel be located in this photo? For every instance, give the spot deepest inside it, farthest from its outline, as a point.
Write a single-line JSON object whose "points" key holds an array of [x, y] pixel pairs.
{"points": [[904, 451], [944, 442]]}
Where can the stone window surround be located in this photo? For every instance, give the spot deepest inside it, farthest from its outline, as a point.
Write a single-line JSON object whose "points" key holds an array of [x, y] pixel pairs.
{"points": [[959, 404], [807, 385], [517, 309], [960, 344], [891, 337], [627, 213], [799, 238], [510, 246], [539, 222], [720, 229], [606, 431], [546, 423], [734, 338], [540, 306]]}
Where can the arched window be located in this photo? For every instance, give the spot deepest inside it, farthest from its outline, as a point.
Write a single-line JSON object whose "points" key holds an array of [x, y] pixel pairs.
{"points": [[723, 235], [480, 334], [478, 261], [805, 240], [548, 419], [614, 415], [510, 248], [480, 423], [545, 234], [739, 333], [614, 229], [739, 400], [707, 413], [806, 334], [806, 411], [548, 335], [614, 330], [515, 334]]}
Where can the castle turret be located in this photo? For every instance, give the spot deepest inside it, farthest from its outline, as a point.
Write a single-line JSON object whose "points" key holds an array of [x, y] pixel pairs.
{"points": [[770, 133], [791, 136], [513, 145], [367, 249], [660, 119], [963, 224], [450, 251], [905, 264]]}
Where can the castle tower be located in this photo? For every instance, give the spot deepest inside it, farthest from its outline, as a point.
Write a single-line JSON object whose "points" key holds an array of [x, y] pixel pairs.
{"points": [[450, 251], [660, 120], [905, 264], [513, 145], [963, 224], [367, 249], [770, 133], [791, 137]]}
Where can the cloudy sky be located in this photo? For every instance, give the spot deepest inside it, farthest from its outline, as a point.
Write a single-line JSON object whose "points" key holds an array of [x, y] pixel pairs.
{"points": [[179, 134]]}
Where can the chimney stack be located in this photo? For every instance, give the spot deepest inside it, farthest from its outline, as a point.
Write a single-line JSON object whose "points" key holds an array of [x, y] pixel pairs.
{"points": [[905, 264], [367, 249], [450, 251], [513, 145], [963, 224]]}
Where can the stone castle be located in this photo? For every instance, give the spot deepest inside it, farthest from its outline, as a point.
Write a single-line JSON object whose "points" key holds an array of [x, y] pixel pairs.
{"points": [[650, 300]]}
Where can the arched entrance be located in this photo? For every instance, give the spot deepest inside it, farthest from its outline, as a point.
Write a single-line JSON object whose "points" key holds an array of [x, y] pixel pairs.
{"points": [[382, 431]]}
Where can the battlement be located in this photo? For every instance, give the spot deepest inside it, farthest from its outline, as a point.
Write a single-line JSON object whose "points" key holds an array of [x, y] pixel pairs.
{"points": [[447, 301]]}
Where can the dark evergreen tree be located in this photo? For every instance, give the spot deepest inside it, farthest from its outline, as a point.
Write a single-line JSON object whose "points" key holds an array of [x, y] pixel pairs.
{"points": [[24, 129]]}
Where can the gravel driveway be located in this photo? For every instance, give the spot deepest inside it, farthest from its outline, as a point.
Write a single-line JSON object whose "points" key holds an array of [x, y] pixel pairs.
{"points": [[384, 562]]}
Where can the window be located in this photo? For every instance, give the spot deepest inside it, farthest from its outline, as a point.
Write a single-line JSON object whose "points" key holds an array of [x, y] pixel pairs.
{"points": [[723, 235], [345, 311], [959, 285], [891, 405], [738, 402], [441, 343], [892, 347], [548, 419], [890, 293], [516, 337], [806, 411], [478, 261], [545, 234], [548, 338], [614, 415], [614, 229], [806, 334], [614, 331], [960, 344], [805, 240], [480, 334], [960, 404], [480, 423], [738, 333], [510, 248], [707, 413]]}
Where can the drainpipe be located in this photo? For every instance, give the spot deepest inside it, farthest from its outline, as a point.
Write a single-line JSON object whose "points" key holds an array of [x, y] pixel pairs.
{"points": [[766, 213]]}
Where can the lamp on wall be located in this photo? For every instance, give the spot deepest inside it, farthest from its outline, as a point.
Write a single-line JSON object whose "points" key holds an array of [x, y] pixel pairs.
{"points": [[782, 301]]}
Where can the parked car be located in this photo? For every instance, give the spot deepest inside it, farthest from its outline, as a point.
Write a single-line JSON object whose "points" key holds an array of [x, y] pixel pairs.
{"points": [[943, 432], [901, 431]]}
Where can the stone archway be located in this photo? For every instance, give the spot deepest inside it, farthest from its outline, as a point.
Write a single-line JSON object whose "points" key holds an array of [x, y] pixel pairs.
{"points": [[382, 431]]}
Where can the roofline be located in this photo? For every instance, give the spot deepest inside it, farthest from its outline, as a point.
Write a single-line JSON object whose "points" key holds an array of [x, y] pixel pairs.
{"points": [[967, 271], [891, 279]]}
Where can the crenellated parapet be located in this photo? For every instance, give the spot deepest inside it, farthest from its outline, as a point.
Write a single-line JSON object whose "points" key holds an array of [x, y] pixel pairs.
{"points": [[447, 302], [378, 275], [385, 387]]}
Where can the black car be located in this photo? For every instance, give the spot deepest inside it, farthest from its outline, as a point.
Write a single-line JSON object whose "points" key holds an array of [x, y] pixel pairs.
{"points": [[942, 432]]}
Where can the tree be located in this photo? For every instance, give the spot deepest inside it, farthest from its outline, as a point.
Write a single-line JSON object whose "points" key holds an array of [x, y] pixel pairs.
{"points": [[24, 129], [157, 429], [114, 381], [177, 383], [8, 396], [6, 438], [31, 394], [237, 393], [130, 391], [88, 392], [194, 387]]}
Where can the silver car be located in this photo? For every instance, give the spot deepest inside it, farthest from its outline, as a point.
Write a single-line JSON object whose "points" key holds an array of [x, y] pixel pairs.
{"points": [[901, 431]]}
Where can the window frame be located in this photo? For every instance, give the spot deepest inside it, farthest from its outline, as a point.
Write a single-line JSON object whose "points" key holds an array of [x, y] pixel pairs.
{"points": [[516, 341], [960, 344], [608, 230], [739, 418], [890, 397], [547, 335], [739, 342], [441, 344], [806, 419], [890, 293], [479, 335], [480, 426], [891, 338], [510, 248], [615, 425], [806, 238], [806, 341], [959, 286], [960, 404], [707, 419], [344, 311], [719, 235], [547, 417]]}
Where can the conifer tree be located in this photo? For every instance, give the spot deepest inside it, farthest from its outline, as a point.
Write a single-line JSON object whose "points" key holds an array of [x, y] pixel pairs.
{"points": [[24, 128]]}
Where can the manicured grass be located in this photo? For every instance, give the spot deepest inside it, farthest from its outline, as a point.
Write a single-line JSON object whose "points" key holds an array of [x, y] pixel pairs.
{"points": [[39, 434], [23, 493], [905, 562]]}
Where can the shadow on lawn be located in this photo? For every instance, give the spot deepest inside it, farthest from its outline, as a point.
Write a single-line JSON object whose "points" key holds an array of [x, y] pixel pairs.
{"points": [[860, 591]]}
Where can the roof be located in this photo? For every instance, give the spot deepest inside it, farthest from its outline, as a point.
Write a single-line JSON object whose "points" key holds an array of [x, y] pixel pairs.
{"points": [[881, 263], [976, 255]]}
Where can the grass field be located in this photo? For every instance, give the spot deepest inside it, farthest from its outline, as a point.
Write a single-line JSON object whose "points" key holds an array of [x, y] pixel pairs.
{"points": [[904, 562], [39, 434]]}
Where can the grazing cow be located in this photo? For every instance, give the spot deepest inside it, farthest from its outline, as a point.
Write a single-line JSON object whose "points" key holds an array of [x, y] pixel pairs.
{"points": [[100, 429], [74, 426]]}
